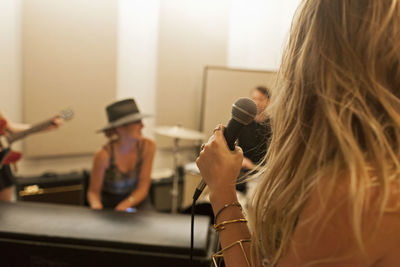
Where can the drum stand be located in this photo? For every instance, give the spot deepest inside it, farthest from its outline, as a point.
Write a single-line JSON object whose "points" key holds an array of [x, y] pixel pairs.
{"points": [[177, 132], [175, 179]]}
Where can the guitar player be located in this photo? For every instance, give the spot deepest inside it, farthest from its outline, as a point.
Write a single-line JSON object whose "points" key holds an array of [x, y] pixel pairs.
{"points": [[6, 176]]}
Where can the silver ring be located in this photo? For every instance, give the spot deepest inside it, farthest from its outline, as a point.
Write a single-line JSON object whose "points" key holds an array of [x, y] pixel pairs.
{"points": [[202, 146]]}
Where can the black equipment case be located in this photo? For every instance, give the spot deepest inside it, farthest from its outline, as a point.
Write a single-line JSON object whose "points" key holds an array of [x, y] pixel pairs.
{"points": [[41, 234]]}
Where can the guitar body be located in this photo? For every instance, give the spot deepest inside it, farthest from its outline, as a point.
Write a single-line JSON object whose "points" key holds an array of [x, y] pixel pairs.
{"points": [[3, 124], [9, 156]]}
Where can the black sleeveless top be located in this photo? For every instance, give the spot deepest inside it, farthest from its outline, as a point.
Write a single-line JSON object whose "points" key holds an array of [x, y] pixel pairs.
{"points": [[118, 185]]}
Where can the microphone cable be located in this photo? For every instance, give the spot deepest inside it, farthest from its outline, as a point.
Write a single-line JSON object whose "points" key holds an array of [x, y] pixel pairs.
{"points": [[192, 233]]}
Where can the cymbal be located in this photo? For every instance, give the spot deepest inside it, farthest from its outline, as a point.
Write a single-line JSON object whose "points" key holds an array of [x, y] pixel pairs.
{"points": [[179, 132]]}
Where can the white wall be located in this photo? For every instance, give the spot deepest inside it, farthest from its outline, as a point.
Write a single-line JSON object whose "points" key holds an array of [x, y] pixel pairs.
{"points": [[257, 33], [193, 34], [69, 60], [138, 29], [10, 55]]}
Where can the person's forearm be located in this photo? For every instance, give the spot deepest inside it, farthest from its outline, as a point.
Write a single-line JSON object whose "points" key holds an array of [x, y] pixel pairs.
{"points": [[17, 127], [94, 200], [233, 232], [137, 196]]}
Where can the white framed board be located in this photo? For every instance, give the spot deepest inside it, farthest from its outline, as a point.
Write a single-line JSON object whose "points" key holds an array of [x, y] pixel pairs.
{"points": [[222, 86]]}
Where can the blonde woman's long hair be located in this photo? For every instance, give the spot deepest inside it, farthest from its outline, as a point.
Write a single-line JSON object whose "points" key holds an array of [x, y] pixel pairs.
{"points": [[335, 117]]}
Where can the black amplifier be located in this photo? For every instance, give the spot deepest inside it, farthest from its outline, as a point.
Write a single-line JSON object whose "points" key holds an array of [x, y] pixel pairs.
{"points": [[62, 188]]}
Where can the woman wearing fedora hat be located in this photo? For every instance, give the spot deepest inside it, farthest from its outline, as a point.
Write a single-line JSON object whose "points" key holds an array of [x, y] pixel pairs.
{"points": [[120, 177]]}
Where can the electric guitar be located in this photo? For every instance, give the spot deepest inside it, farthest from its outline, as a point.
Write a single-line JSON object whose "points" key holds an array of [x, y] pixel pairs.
{"points": [[7, 155]]}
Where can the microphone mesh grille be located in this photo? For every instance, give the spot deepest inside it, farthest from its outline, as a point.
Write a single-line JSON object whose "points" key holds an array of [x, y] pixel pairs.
{"points": [[244, 110]]}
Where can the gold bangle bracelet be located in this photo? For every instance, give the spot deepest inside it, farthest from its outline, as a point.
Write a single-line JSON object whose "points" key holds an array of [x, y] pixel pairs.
{"points": [[233, 204], [220, 253], [221, 226]]}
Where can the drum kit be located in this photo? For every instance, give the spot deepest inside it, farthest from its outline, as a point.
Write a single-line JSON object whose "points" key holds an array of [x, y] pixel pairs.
{"points": [[177, 133]]}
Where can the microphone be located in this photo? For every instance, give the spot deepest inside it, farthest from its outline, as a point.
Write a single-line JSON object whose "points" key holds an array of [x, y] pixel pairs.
{"points": [[244, 110]]}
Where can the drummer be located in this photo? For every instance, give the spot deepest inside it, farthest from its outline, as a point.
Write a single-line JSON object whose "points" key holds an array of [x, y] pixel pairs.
{"points": [[254, 139], [120, 177]]}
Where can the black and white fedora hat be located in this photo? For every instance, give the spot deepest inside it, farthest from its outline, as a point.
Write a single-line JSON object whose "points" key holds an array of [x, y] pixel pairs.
{"points": [[122, 112]]}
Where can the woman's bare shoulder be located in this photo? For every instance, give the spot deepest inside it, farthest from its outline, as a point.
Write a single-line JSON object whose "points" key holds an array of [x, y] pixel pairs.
{"points": [[148, 140], [325, 229], [386, 237], [149, 144], [103, 154]]}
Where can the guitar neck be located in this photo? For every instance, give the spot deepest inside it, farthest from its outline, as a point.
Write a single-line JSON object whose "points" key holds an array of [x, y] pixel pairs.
{"points": [[35, 128]]}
